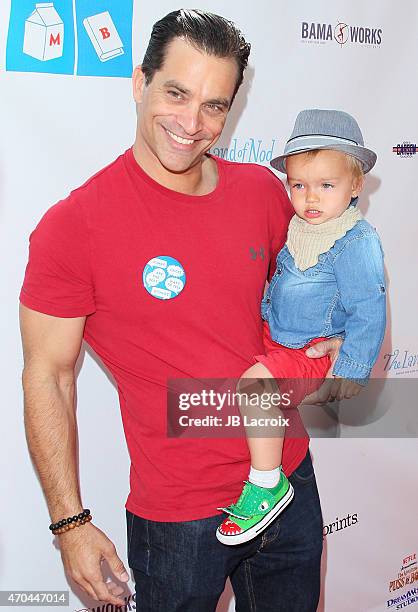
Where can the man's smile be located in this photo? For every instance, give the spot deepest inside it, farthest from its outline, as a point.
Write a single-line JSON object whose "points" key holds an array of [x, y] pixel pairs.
{"points": [[179, 139]]}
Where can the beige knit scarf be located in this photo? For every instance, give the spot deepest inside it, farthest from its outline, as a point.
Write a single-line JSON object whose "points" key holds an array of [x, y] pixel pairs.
{"points": [[306, 241]]}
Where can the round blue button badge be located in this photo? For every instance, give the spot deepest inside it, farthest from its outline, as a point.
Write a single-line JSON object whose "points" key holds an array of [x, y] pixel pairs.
{"points": [[164, 277]]}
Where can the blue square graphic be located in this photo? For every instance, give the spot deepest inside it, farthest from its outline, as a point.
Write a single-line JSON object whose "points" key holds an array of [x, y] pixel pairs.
{"points": [[41, 37], [104, 33], [83, 37]]}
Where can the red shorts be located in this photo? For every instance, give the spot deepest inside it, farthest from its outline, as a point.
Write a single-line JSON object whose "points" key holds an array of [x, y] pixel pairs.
{"points": [[292, 368]]}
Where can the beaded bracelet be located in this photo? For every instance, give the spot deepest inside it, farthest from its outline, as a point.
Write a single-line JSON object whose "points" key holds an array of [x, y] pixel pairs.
{"points": [[69, 523]]}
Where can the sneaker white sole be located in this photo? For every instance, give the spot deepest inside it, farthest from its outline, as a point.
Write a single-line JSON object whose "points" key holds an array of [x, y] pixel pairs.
{"points": [[254, 531]]}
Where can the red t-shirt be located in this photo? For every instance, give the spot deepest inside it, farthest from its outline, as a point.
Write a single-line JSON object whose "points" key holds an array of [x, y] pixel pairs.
{"points": [[87, 257]]}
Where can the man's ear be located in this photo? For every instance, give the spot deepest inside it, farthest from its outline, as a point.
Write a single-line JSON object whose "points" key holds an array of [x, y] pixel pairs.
{"points": [[138, 84]]}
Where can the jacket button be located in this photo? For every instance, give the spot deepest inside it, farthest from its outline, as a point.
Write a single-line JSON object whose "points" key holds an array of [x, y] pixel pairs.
{"points": [[268, 301], [279, 271]]}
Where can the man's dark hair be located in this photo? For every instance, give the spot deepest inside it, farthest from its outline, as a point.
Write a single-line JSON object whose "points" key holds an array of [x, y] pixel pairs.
{"points": [[207, 32]]}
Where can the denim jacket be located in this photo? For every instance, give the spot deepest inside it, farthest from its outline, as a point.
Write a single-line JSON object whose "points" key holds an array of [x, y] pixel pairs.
{"points": [[344, 295]]}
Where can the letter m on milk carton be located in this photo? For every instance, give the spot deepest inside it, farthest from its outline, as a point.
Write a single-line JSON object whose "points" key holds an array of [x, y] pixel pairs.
{"points": [[44, 33]]}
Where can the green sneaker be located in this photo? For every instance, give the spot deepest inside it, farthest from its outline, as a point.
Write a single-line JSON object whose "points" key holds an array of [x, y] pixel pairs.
{"points": [[256, 508]]}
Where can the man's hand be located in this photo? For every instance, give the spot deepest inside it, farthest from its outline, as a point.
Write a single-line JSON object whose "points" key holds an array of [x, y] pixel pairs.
{"points": [[331, 387], [82, 550]]}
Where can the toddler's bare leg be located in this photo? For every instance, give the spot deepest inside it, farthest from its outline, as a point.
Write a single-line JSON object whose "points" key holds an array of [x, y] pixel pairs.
{"points": [[267, 492], [266, 452]]}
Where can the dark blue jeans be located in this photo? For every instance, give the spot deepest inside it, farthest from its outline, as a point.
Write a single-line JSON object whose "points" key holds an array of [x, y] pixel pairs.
{"points": [[182, 567]]}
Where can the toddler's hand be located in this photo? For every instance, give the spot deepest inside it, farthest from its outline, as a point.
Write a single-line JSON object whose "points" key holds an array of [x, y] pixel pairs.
{"points": [[347, 389]]}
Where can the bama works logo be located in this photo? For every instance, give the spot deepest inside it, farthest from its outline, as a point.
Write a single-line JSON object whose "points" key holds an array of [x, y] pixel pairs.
{"points": [[341, 33]]}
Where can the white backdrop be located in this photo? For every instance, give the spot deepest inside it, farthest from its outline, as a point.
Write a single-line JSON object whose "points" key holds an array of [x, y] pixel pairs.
{"points": [[57, 130]]}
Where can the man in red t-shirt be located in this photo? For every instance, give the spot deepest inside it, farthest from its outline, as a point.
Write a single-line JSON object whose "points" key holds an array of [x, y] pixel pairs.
{"points": [[159, 263]]}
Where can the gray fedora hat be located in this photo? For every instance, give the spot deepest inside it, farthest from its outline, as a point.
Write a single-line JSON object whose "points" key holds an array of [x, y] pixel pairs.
{"points": [[326, 129]]}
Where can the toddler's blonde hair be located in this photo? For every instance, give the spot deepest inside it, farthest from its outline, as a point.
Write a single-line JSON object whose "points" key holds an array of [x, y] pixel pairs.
{"points": [[353, 163]]}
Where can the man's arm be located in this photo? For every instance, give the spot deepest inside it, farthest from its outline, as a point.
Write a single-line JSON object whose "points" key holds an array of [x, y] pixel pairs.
{"points": [[51, 346]]}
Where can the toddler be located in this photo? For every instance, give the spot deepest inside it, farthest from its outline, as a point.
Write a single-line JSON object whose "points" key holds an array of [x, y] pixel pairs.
{"points": [[329, 281]]}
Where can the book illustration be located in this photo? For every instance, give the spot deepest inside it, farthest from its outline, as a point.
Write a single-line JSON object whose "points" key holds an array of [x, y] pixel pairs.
{"points": [[104, 36], [44, 33]]}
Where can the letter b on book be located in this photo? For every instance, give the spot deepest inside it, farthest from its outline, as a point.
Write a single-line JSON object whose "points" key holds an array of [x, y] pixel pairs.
{"points": [[104, 36]]}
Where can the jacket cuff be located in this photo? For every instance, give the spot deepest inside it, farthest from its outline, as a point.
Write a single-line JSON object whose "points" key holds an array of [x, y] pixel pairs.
{"points": [[340, 335], [346, 368]]}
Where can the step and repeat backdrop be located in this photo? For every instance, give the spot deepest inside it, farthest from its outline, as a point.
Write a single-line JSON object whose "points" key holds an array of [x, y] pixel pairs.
{"points": [[66, 110]]}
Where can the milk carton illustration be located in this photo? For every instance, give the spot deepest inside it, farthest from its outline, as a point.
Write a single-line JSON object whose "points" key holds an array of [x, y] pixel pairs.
{"points": [[104, 36], [44, 33]]}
